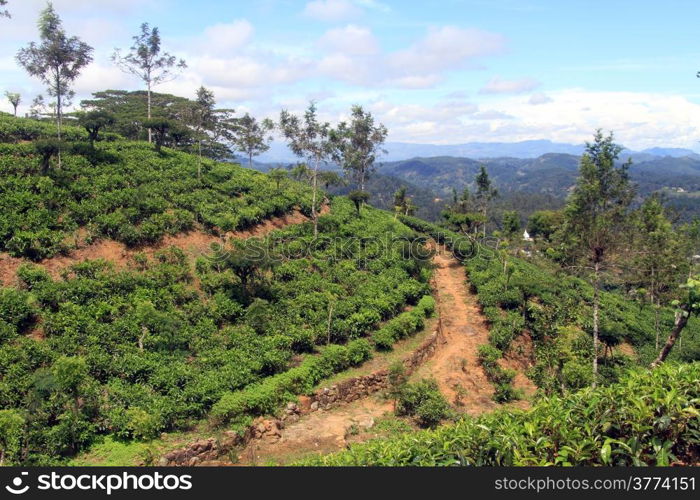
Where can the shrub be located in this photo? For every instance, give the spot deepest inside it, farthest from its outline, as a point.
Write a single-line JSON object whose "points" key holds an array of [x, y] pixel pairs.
{"points": [[423, 401], [15, 309]]}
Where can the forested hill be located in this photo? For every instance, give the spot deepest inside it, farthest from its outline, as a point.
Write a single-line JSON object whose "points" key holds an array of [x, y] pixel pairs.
{"points": [[551, 174]]}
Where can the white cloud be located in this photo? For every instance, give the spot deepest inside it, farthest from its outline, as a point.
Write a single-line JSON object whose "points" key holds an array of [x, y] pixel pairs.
{"points": [[492, 114], [345, 68], [374, 5], [638, 119], [355, 57], [331, 10], [539, 98], [351, 40], [101, 76], [244, 71], [498, 85], [225, 38], [447, 47]]}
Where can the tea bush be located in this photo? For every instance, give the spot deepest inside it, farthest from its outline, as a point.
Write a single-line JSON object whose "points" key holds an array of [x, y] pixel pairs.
{"points": [[124, 191], [163, 344], [648, 418]]}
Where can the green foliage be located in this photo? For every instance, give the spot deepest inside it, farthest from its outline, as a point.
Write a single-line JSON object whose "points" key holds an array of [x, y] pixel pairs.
{"points": [[139, 199], [649, 418], [11, 424], [544, 223], [554, 310], [404, 324], [423, 401], [511, 222], [358, 198], [266, 396], [133, 353], [16, 309]]}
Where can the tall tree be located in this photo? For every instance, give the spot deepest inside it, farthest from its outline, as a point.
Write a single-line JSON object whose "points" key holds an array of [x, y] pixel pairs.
{"points": [[329, 178], [56, 61], [146, 62], [252, 137], [310, 139], [400, 201], [38, 107], [200, 119], [14, 99], [656, 264], [485, 192], [277, 175], [595, 214], [511, 223], [357, 144]]}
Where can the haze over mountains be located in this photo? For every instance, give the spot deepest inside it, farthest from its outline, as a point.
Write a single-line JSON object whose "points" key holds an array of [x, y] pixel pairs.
{"points": [[539, 171], [396, 151]]}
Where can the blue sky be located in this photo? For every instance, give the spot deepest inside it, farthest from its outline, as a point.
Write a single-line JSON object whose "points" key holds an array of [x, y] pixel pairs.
{"points": [[448, 71]]}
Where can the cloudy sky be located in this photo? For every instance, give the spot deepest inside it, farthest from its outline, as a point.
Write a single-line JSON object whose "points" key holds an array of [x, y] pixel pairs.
{"points": [[444, 72]]}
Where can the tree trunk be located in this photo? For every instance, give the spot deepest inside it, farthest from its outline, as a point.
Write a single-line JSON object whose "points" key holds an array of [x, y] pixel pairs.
{"points": [[150, 134], [596, 306], [314, 215], [250, 159], [330, 320], [199, 165], [59, 113], [679, 323]]}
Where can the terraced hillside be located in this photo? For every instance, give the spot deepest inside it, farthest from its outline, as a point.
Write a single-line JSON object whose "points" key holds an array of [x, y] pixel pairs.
{"points": [[151, 337]]}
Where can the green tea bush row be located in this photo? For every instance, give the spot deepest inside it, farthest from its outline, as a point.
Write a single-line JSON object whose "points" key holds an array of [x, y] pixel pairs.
{"points": [[265, 397], [648, 418], [404, 324], [123, 191]]}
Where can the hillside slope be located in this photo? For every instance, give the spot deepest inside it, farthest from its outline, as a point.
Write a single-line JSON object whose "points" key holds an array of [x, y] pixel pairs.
{"points": [[649, 418]]}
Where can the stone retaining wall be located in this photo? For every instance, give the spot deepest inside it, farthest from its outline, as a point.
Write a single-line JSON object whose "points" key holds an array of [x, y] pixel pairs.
{"points": [[326, 398], [356, 388]]}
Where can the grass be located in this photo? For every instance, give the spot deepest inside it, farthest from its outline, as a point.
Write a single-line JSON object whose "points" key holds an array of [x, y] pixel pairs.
{"points": [[110, 452]]}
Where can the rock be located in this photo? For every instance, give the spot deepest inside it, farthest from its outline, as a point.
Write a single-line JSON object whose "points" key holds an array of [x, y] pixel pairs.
{"points": [[163, 462], [366, 423], [314, 406]]}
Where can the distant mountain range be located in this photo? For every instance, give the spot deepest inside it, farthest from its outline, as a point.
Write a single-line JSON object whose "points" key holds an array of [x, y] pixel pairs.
{"points": [[528, 174], [552, 173], [396, 151]]}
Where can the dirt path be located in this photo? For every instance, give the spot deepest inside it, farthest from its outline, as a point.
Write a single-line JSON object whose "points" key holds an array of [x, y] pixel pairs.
{"points": [[320, 432], [455, 364]]}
